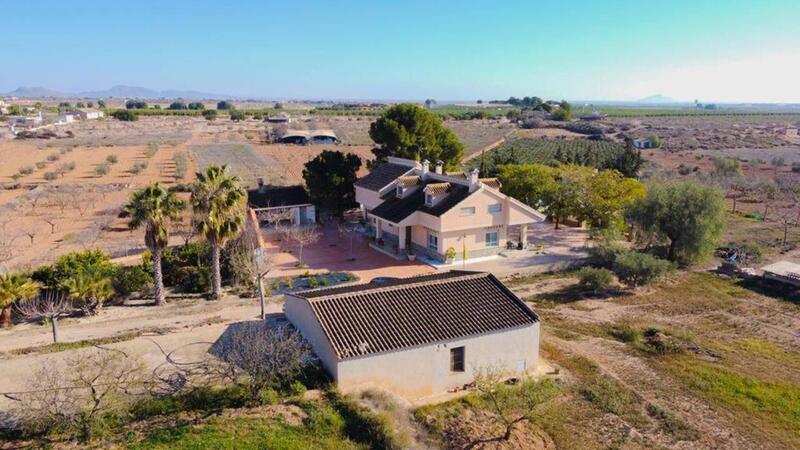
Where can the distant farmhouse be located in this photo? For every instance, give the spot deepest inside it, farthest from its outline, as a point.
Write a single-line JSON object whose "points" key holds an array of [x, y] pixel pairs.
{"points": [[90, 114], [643, 143], [416, 211], [282, 198], [418, 336], [279, 118], [305, 137]]}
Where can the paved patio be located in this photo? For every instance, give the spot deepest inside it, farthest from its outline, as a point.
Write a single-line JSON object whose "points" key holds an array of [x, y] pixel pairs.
{"points": [[331, 253], [558, 249]]}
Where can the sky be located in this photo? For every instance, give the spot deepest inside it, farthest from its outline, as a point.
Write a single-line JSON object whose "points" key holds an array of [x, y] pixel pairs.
{"points": [[723, 51]]}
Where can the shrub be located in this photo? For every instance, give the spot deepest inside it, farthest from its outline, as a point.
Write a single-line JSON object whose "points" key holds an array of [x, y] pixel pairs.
{"points": [[50, 176], [636, 268], [595, 279], [269, 396], [237, 115], [130, 279], [313, 283], [181, 166], [124, 115], [102, 169], [138, 168], [73, 264], [52, 157], [186, 267], [112, 159], [210, 114], [152, 149], [26, 170], [41, 165]]}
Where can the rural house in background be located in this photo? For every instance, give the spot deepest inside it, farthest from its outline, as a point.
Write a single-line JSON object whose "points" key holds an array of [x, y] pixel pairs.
{"points": [[90, 114], [417, 336], [280, 198], [414, 210]]}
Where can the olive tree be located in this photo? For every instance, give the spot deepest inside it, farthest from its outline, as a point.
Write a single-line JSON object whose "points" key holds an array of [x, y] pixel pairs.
{"points": [[688, 217]]}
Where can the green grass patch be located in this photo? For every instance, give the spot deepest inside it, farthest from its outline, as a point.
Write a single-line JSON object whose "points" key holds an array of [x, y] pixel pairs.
{"points": [[62, 346], [769, 408], [241, 434]]}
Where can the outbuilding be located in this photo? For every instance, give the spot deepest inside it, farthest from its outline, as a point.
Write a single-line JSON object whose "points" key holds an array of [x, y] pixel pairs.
{"points": [[418, 336], [293, 199]]}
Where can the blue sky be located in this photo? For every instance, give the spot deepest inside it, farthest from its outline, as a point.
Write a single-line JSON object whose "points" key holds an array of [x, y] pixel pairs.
{"points": [[722, 50]]}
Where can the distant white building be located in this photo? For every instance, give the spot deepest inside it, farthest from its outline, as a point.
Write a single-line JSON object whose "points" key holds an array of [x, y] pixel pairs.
{"points": [[65, 118], [27, 122], [90, 114], [643, 143]]}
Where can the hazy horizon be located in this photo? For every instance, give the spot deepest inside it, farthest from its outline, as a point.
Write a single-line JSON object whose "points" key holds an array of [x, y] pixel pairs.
{"points": [[748, 52]]}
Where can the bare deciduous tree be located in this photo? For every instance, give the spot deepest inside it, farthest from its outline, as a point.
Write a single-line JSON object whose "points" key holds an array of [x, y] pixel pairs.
{"points": [[348, 229], [50, 220], [271, 356], [302, 236], [249, 262], [511, 404], [49, 306], [82, 393]]}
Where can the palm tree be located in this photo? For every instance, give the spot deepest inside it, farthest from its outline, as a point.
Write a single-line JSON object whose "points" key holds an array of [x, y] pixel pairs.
{"points": [[218, 200], [90, 290], [153, 207], [14, 287]]}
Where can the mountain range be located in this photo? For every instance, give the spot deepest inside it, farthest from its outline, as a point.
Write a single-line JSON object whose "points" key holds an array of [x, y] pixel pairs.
{"points": [[119, 91]]}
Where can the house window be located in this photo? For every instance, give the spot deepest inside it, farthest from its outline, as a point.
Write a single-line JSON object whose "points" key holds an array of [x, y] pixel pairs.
{"points": [[429, 199], [433, 242], [468, 211], [457, 359], [491, 239], [496, 208], [400, 190]]}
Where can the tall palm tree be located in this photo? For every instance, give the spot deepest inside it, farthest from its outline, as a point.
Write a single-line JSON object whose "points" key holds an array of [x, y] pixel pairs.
{"points": [[218, 200], [14, 287], [90, 290], [153, 207]]}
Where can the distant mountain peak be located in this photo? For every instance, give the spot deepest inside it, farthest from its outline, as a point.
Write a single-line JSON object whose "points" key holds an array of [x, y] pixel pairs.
{"points": [[658, 98]]}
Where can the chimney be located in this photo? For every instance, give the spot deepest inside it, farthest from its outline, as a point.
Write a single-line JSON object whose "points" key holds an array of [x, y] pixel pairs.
{"points": [[261, 187], [439, 167], [473, 179], [426, 166]]}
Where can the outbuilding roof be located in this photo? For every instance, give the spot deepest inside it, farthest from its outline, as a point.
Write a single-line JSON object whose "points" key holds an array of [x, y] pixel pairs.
{"points": [[272, 196], [375, 318], [382, 176]]}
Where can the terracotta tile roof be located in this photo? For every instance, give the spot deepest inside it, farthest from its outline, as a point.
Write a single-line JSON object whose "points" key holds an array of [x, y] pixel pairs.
{"points": [[374, 318], [457, 174], [493, 183], [382, 176], [438, 188], [408, 181]]}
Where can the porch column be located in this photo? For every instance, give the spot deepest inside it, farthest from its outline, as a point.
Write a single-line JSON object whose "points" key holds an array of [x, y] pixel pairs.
{"points": [[523, 234], [401, 236], [297, 218], [378, 228]]}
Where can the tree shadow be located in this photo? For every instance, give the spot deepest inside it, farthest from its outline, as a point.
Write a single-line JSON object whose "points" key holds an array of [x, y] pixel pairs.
{"points": [[771, 288]]}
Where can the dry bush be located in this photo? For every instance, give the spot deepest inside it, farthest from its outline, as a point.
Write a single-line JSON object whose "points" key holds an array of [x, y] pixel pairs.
{"points": [[79, 397], [271, 356]]}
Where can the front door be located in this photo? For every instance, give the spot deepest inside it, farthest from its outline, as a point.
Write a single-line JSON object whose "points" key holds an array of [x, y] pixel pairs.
{"points": [[408, 237]]}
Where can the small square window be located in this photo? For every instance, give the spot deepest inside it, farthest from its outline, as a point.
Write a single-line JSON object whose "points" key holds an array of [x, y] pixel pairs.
{"points": [[428, 199], [468, 211], [457, 359], [491, 239], [496, 208]]}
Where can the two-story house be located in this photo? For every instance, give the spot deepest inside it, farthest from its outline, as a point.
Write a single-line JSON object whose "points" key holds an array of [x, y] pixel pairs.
{"points": [[413, 210]]}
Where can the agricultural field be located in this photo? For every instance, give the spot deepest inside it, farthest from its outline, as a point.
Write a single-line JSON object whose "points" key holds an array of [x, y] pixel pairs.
{"points": [[714, 132], [547, 151], [477, 135]]}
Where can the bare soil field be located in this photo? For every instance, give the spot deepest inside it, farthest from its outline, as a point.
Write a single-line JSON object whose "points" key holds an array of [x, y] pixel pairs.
{"points": [[477, 135], [713, 132]]}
